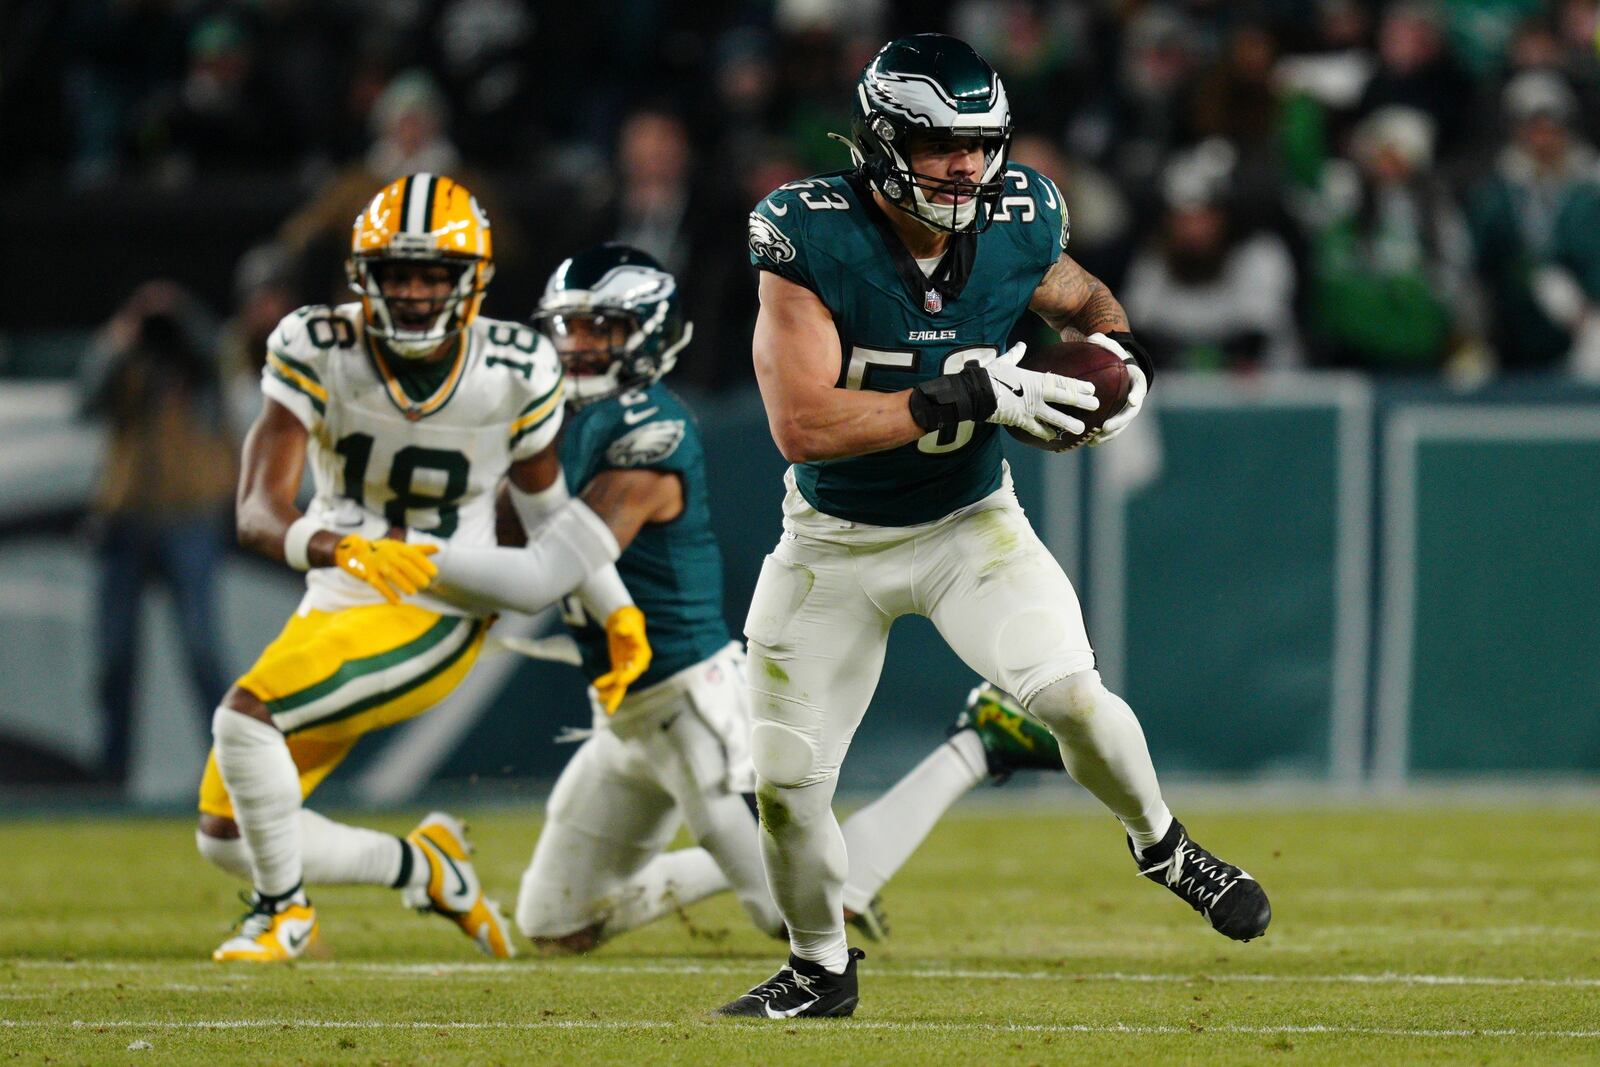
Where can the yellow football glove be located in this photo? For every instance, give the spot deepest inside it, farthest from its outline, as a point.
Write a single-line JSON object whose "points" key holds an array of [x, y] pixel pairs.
{"points": [[630, 656], [391, 567]]}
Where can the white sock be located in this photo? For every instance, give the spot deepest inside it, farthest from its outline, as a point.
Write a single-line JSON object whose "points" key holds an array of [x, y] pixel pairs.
{"points": [[336, 854], [332, 854], [231, 854], [264, 786], [1104, 749], [670, 881], [806, 862], [882, 836]]}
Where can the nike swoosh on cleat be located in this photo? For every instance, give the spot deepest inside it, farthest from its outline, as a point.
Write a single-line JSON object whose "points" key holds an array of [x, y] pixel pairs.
{"points": [[461, 881], [295, 942], [789, 1013]]}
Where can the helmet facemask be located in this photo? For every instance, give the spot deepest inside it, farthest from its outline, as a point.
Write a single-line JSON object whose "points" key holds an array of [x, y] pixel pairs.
{"points": [[890, 171], [606, 350], [394, 319]]}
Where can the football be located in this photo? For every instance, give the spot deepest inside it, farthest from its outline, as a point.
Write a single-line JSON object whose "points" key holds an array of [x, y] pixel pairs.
{"points": [[1089, 362]]}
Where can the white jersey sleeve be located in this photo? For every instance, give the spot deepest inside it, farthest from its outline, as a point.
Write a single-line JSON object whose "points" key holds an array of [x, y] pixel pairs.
{"points": [[296, 370], [542, 392]]}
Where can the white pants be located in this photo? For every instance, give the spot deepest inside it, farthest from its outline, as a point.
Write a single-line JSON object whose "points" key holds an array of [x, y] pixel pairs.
{"points": [[820, 616], [675, 752]]}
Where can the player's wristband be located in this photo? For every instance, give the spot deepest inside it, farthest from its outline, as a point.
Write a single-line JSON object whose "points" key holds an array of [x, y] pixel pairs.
{"points": [[965, 396], [297, 541], [1136, 350]]}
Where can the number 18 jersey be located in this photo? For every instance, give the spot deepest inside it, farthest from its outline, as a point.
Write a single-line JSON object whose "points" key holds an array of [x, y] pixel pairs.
{"points": [[386, 451], [898, 326]]}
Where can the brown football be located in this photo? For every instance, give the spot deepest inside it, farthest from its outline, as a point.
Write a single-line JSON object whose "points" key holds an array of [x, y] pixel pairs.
{"points": [[1090, 362]]}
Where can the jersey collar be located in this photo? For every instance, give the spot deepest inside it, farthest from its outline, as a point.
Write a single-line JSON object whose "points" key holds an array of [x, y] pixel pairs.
{"points": [[415, 410], [948, 279]]}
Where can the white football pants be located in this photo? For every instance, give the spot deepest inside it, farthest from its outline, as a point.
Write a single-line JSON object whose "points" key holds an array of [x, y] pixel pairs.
{"points": [[818, 628]]}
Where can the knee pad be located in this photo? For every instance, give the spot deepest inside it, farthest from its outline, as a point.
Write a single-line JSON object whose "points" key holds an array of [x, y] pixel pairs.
{"points": [[1070, 703], [231, 854], [782, 755]]}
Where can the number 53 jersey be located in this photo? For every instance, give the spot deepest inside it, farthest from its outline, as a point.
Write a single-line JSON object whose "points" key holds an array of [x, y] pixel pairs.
{"points": [[899, 326], [390, 446]]}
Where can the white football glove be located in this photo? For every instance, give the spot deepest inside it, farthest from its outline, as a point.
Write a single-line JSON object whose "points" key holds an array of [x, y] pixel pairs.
{"points": [[1023, 397], [1130, 408]]}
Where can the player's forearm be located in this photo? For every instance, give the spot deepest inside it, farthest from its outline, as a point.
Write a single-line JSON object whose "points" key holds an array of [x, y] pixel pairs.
{"points": [[263, 526], [1100, 312], [572, 549], [841, 423]]}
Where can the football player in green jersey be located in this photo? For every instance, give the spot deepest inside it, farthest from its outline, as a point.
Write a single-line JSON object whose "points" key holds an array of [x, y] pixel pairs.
{"points": [[677, 747], [887, 294]]}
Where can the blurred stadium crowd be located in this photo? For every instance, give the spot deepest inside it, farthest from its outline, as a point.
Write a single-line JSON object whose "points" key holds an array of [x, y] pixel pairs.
{"points": [[1407, 187]]}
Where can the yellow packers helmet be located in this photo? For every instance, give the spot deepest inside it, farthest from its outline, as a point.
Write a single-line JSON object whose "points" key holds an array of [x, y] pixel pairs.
{"points": [[425, 218]]}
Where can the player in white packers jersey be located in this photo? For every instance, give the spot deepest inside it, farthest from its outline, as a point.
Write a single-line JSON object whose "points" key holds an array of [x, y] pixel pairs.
{"points": [[412, 410]]}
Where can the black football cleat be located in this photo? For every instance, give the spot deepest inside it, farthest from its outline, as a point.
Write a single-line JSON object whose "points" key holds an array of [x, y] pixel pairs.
{"points": [[1232, 901], [801, 990]]}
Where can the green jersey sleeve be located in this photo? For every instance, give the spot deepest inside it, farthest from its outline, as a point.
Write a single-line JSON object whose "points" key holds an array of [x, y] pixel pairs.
{"points": [[778, 236]]}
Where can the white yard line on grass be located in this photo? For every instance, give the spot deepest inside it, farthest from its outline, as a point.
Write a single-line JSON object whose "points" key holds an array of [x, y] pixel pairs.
{"points": [[867, 1024], [366, 970]]}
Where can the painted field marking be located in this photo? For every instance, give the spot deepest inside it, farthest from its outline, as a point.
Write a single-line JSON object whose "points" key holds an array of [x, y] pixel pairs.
{"points": [[331, 971], [867, 1024]]}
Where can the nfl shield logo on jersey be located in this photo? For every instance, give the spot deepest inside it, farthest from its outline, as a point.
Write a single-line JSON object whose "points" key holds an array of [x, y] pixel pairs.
{"points": [[933, 302]]}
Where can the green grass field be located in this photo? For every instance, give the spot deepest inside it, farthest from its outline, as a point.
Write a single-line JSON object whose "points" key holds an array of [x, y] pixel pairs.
{"points": [[1440, 935]]}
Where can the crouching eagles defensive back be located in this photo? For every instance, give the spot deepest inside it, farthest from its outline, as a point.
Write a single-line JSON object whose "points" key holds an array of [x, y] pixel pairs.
{"points": [[412, 410]]}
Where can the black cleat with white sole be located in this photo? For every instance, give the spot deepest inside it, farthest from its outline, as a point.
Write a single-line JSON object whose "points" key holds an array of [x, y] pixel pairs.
{"points": [[1232, 901], [801, 990]]}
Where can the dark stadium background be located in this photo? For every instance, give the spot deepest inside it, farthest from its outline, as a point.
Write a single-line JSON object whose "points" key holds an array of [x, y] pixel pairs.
{"points": [[1356, 543]]}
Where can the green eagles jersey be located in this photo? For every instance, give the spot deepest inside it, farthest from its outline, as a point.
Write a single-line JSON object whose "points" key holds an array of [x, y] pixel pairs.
{"points": [[898, 327], [673, 569]]}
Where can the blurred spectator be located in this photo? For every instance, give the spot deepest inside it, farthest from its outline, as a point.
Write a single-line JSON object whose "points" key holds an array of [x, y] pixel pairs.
{"points": [[1390, 283], [265, 290], [1416, 69], [408, 130], [484, 46], [160, 507], [651, 208], [1335, 65], [127, 51], [224, 115], [1159, 60], [693, 227], [1536, 228], [1204, 293]]}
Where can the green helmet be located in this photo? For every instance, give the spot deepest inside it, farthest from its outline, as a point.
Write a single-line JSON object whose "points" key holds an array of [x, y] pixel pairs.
{"points": [[615, 319], [924, 83]]}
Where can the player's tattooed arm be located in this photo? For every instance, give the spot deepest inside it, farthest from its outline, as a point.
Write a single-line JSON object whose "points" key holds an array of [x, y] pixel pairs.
{"points": [[273, 460], [628, 500], [797, 361], [1076, 303]]}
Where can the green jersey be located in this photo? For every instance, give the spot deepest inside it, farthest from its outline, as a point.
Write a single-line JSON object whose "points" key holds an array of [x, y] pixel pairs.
{"points": [[899, 326], [673, 569]]}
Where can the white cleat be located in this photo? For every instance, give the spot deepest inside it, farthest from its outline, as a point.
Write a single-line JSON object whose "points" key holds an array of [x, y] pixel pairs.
{"points": [[453, 889]]}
